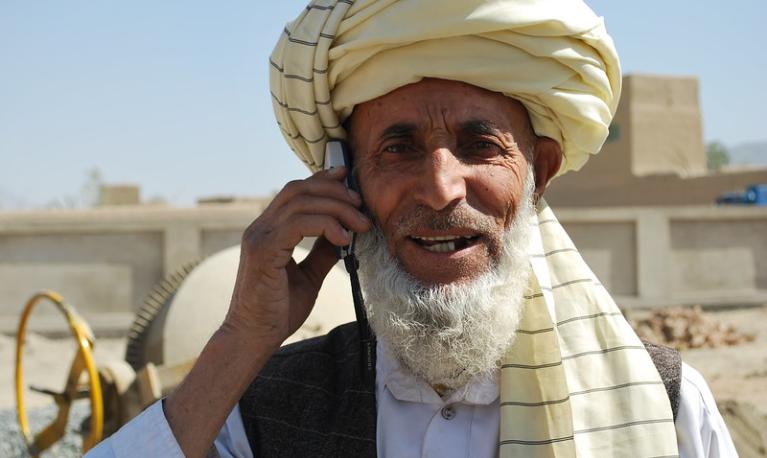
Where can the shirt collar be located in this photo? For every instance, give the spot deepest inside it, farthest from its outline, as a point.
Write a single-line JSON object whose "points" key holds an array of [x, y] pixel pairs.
{"points": [[481, 389]]}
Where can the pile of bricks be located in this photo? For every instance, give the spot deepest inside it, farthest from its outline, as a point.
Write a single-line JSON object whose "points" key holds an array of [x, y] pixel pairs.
{"points": [[683, 328]]}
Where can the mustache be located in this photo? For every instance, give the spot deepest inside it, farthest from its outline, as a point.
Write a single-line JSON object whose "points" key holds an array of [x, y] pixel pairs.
{"points": [[461, 215]]}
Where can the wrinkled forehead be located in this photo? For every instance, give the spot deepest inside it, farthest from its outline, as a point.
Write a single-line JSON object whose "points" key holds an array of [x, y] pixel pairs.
{"points": [[437, 104]]}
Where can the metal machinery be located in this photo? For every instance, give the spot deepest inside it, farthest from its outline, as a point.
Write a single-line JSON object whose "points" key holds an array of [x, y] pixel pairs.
{"points": [[169, 331]]}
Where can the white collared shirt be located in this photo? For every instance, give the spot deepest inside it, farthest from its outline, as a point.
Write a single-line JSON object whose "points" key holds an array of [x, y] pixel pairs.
{"points": [[413, 421]]}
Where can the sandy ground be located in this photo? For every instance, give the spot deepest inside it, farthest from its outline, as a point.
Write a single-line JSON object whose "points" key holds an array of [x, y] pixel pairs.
{"points": [[46, 363], [737, 373]]}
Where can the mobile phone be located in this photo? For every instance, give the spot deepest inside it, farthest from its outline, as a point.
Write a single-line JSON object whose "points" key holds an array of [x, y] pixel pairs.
{"points": [[337, 154]]}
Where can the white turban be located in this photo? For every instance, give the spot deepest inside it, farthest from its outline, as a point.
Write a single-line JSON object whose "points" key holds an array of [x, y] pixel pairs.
{"points": [[554, 56]]}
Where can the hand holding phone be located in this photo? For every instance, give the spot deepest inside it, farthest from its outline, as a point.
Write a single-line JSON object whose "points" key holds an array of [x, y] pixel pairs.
{"points": [[273, 295], [337, 154]]}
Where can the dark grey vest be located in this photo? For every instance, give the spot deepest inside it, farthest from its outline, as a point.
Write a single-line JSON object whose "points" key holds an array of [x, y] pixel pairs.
{"points": [[309, 399]]}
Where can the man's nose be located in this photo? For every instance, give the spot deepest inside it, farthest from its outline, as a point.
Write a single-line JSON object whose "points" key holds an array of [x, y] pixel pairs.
{"points": [[443, 180]]}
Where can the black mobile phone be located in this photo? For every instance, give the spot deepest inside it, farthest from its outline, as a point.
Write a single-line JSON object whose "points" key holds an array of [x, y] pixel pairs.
{"points": [[337, 154]]}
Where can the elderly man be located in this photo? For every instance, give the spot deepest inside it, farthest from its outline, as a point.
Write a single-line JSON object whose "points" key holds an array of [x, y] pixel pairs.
{"points": [[493, 336]]}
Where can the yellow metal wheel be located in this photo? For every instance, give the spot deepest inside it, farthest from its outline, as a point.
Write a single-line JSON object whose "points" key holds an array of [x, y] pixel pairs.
{"points": [[83, 362]]}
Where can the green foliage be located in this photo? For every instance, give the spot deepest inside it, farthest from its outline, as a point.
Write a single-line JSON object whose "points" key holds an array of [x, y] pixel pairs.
{"points": [[717, 155]]}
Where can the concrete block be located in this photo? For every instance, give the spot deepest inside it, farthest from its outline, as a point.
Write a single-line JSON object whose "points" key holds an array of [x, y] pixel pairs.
{"points": [[213, 241], [181, 247], [610, 251], [119, 195], [719, 256], [141, 251]]}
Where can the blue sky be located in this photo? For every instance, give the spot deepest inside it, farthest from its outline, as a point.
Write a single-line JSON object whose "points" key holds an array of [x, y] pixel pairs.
{"points": [[174, 95]]}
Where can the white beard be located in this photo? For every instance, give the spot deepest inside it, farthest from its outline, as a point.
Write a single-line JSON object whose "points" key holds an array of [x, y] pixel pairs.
{"points": [[448, 333]]}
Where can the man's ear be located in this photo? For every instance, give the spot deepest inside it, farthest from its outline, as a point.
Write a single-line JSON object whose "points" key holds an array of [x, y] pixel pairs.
{"points": [[547, 157]]}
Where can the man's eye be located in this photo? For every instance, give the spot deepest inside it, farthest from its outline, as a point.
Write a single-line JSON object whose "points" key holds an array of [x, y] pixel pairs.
{"points": [[485, 148], [484, 145], [398, 148]]}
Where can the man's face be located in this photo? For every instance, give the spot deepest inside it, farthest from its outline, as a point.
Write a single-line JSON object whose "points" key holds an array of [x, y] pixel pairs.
{"points": [[441, 168]]}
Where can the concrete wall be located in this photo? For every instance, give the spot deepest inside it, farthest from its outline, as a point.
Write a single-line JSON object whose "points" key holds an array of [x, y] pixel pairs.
{"points": [[654, 155], [674, 255], [105, 261], [655, 190]]}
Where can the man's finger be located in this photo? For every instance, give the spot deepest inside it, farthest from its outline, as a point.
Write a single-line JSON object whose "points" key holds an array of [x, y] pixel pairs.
{"points": [[350, 217], [297, 227], [319, 261], [317, 187], [335, 173]]}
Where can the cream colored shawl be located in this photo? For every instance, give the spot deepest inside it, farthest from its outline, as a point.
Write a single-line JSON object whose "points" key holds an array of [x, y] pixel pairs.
{"points": [[577, 381]]}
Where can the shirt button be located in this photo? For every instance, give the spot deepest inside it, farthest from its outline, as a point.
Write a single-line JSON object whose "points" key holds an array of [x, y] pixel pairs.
{"points": [[448, 413]]}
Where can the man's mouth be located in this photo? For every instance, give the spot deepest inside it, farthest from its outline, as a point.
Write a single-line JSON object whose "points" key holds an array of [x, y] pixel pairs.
{"points": [[445, 244]]}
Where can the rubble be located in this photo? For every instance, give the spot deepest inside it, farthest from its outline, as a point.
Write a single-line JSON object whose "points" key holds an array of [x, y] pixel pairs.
{"points": [[685, 328]]}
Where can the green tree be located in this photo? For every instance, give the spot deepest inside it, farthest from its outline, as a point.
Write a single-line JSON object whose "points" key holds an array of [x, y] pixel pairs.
{"points": [[717, 155]]}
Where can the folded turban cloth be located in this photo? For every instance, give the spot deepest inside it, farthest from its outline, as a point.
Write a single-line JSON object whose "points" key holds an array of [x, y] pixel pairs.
{"points": [[554, 56]]}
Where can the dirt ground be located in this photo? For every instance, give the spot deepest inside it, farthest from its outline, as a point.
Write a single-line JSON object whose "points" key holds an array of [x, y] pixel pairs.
{"points": [[739, 372], [46, 363], [737, 376]]}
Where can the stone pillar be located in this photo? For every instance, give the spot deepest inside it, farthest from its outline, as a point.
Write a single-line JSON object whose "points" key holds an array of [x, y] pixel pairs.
{"points": [[653, 234], [181, 246]]}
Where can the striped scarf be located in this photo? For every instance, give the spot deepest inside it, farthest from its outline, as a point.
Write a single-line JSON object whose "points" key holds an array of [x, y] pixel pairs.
{"points": [[578, 381]]}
